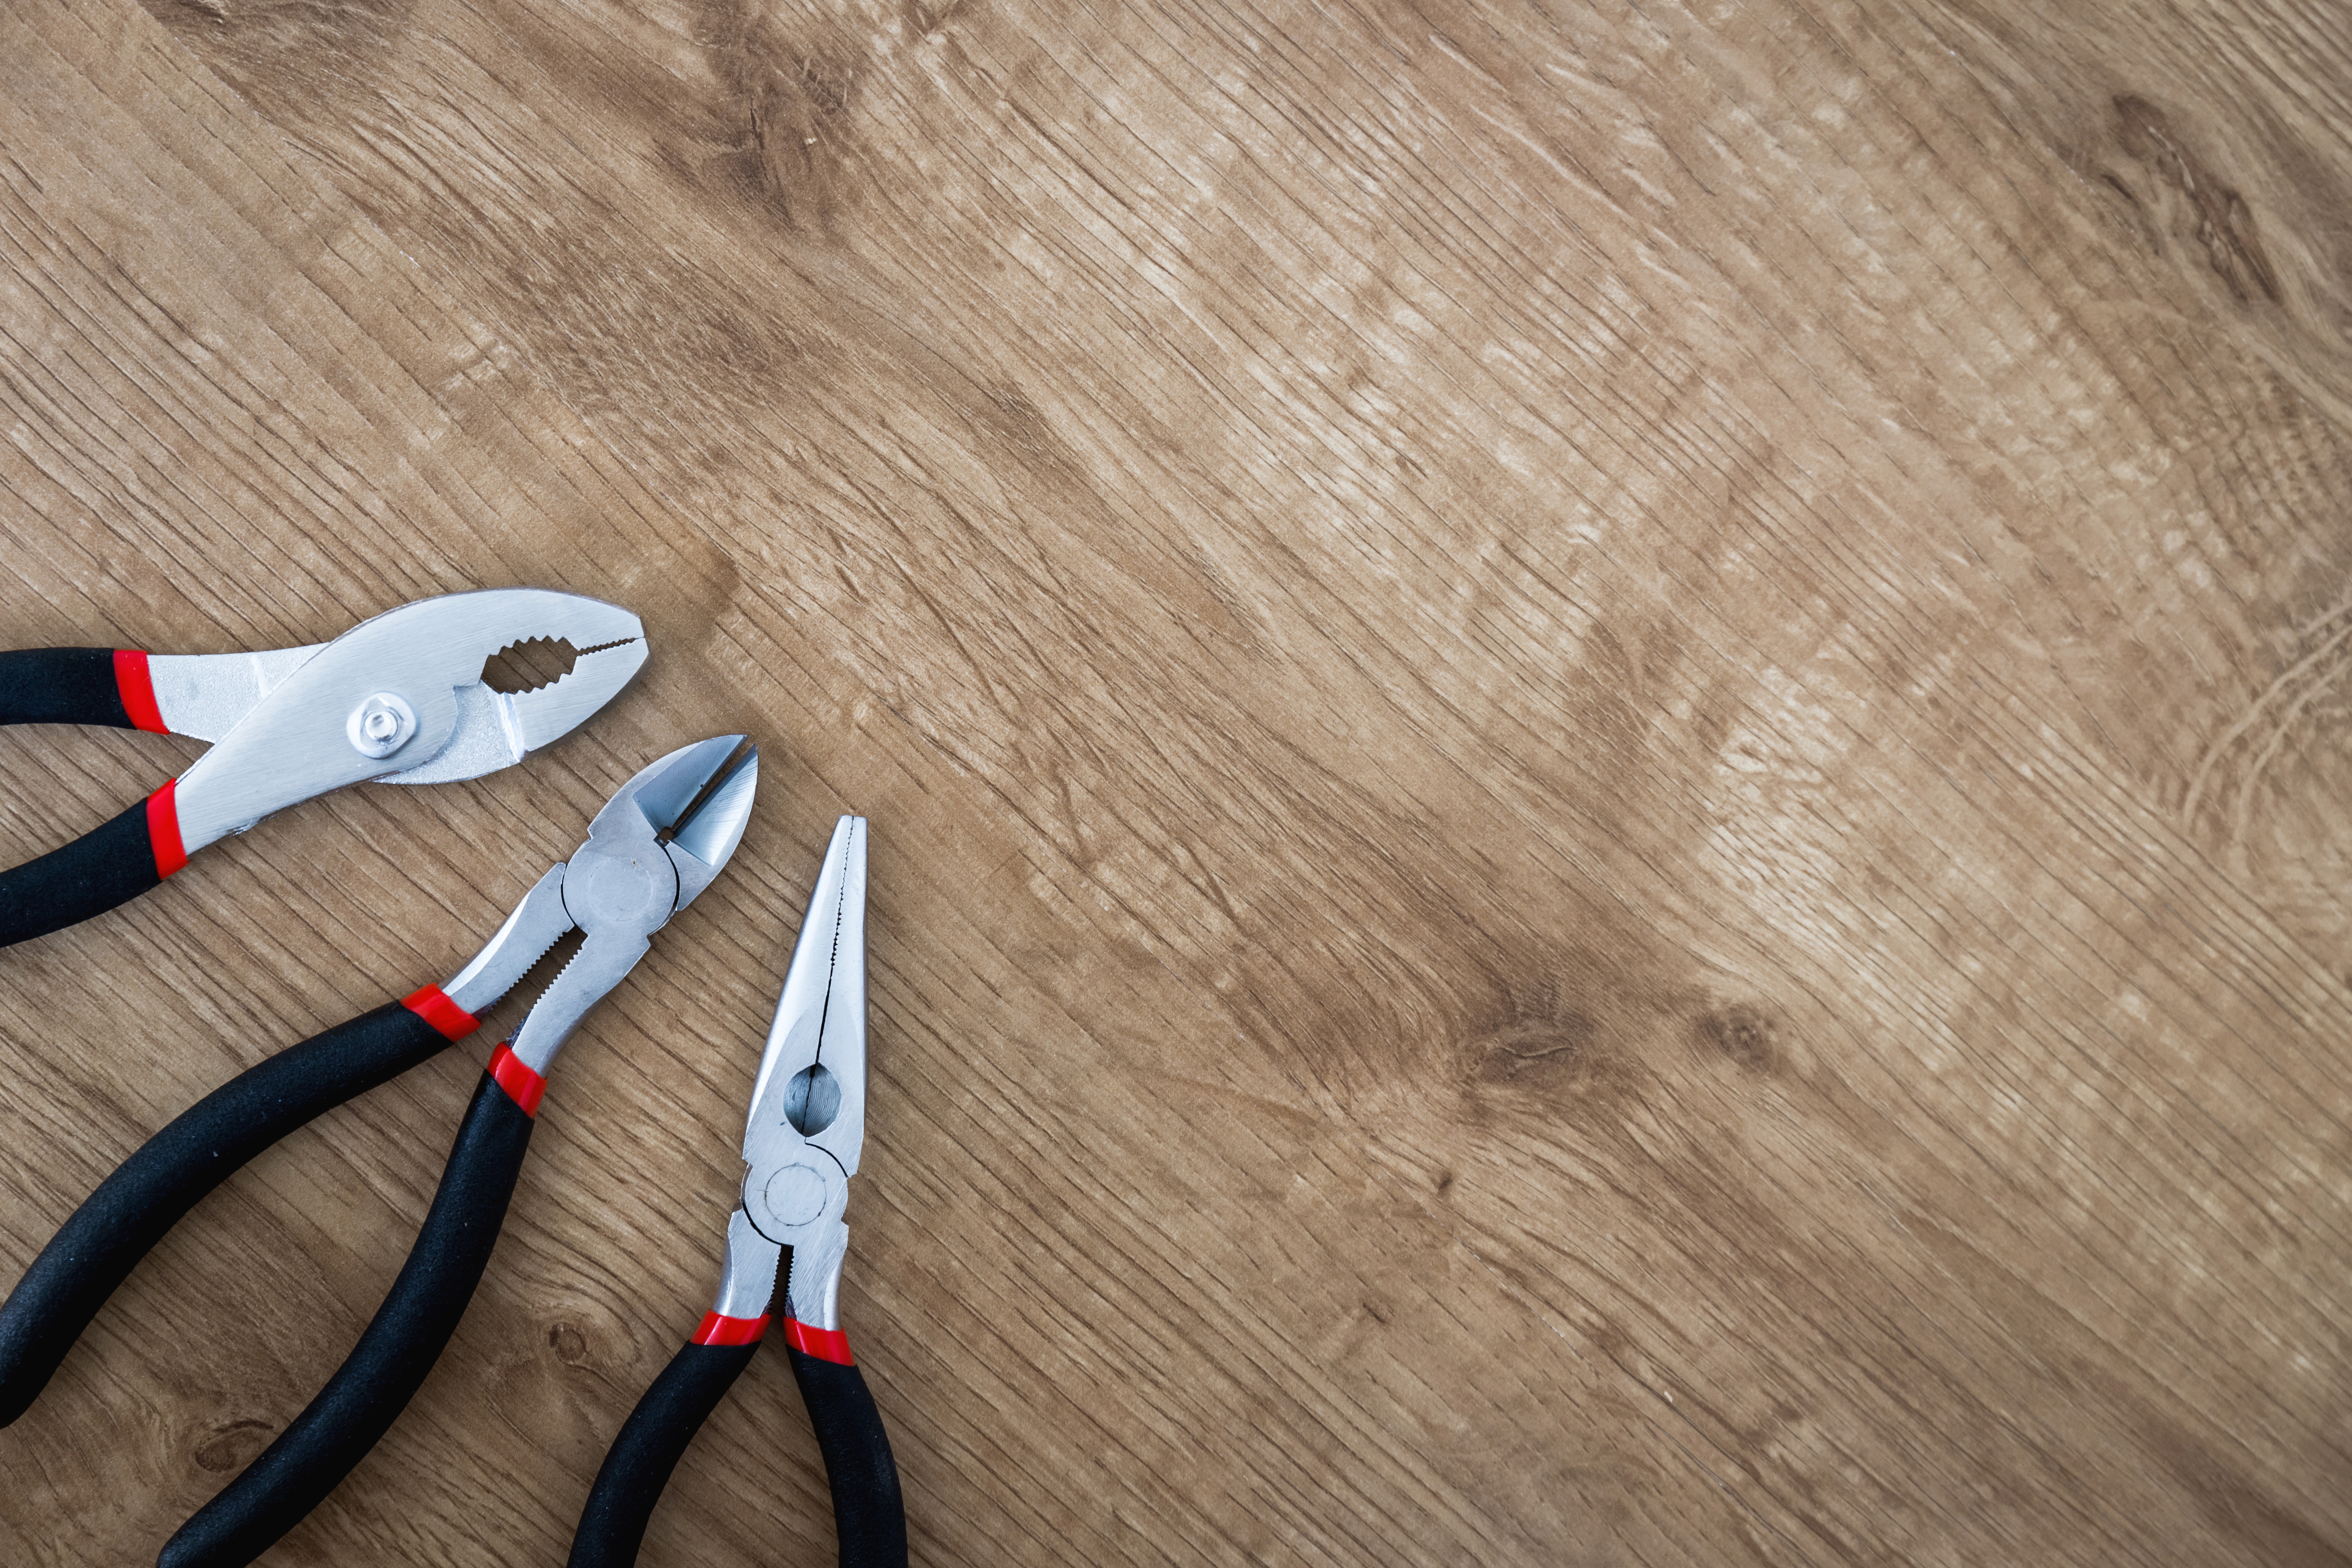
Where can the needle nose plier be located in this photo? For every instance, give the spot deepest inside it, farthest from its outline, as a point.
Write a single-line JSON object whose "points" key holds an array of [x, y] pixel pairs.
{"points": [[398, 698], [655, 845], [801, 1144]]}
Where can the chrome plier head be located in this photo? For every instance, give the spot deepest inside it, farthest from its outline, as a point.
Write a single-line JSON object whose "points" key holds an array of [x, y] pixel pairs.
{"points": [[808, 1122], [398, 698], [810, 1096], [653, 847]]}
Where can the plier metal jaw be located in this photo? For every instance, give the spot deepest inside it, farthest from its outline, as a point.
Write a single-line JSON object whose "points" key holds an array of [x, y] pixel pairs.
{"points": [[398, 698], [801, 1144], [808, 1105], [647, 856], [656, 843]]}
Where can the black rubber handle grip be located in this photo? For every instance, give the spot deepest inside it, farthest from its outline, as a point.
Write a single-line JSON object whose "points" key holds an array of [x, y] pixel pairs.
{"points": [[390, 1361], [61, 686], [95, 1251], [638, 1466], [108, 865], [867, 1512]]}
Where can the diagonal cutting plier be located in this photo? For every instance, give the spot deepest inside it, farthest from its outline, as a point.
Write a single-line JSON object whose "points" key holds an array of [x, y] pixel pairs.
{"points": [[399, 698], [655, 845], [800, 1148]]}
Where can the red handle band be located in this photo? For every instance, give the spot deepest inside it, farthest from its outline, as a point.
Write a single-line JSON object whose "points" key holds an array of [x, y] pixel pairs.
{"points": [[825, 1344], [137, 689], [432, 1004], [523, 1085], [718, 1329], [164, 830]]}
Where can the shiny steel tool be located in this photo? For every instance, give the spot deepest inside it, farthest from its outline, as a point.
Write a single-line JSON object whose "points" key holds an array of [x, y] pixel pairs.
{"points": [[399, 698], [800, 1149], [655, 846]]}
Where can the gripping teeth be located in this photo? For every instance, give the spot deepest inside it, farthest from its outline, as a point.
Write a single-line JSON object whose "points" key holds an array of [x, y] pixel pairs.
{"points": [[545, 713], [527, 665], [580, 943], [536, 959], [531, 664], [528, 935]]}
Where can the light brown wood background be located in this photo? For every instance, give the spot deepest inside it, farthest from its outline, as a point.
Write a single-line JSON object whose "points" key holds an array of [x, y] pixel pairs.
{"points": [[1608, 749]]}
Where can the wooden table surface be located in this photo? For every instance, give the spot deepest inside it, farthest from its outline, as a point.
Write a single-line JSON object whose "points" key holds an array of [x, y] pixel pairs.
{"points": [[1608, 747]]}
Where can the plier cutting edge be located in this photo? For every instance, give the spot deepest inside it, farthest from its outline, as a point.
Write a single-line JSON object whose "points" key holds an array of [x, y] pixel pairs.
{"points": [[399, 698], [655, 845], [801, 1144]]}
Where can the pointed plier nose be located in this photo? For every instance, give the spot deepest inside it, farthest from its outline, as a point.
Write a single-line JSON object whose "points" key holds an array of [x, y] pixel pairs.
{"points": [[801, 1144], [808, 1105]]}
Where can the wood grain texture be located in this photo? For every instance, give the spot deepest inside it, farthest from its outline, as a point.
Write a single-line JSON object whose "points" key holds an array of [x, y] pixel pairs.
{"points": [[1608, 749]]}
